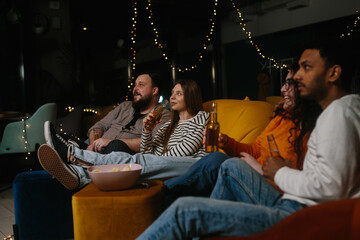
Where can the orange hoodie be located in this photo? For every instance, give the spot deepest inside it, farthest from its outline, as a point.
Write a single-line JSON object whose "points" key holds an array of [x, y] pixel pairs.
{"points": [[259, 149]]}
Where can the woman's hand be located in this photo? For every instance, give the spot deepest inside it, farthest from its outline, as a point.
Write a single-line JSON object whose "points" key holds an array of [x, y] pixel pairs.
{"points": [[150, 122], [252, 162], [222, 139], [204, 137]]}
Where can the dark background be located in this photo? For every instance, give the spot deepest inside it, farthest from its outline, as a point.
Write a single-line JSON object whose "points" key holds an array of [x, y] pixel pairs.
{"points": [[73, 67]]}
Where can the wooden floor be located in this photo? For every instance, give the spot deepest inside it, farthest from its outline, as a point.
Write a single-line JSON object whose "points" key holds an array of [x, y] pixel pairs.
{"points": [[7, 213]]}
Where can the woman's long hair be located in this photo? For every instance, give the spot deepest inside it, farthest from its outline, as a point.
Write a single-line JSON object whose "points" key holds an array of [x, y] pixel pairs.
{"points": [[193, 102], [304, 116]]}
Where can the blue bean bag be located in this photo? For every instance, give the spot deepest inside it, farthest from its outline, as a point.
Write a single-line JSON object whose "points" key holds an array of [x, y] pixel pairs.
{"points": [[42, 207]]}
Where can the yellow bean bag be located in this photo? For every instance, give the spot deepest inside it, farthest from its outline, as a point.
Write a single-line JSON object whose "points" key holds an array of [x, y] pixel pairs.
{"points": [[242, 120]]}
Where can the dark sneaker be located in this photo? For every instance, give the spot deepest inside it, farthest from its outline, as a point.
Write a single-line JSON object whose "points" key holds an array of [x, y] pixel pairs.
{"points": [[66, 174], [55, 141], [75, 141]]}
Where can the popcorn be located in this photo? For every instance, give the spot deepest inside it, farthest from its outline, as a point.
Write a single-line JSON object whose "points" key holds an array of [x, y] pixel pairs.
{"points": [[115, 169], [127, 168]]}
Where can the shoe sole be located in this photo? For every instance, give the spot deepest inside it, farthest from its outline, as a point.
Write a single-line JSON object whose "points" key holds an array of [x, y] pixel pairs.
{"points": [[53, 164], [47, 134]]}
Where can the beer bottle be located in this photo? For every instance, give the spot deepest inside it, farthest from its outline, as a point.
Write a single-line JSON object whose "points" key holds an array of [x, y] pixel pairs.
{"points": [[158, 111], [213, 130], [274, 151]]}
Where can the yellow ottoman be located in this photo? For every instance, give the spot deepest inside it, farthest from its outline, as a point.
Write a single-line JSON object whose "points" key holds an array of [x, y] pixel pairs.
{"points": [[121, 214]]}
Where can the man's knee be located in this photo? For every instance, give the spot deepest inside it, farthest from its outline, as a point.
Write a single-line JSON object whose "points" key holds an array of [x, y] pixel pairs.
{"points": [[233, 163], [117, 146], [212, 160], [183, 202]]}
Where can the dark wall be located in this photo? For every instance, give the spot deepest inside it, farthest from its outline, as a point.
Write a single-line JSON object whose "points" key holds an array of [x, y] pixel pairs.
{"points": [[243, 64], [70, 66]]}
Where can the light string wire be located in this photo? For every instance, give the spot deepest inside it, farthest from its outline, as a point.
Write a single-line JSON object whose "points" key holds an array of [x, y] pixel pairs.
{"points": [[248, 34], [350, 29], [90, 110], [204, 44], [132, 48], [70, 109], [26, 142], [243, 25], [85, 110]]}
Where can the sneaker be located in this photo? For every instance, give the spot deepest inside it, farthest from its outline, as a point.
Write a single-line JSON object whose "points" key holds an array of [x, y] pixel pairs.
{"points": [[77, 142], [66, 174], [55, 141]]}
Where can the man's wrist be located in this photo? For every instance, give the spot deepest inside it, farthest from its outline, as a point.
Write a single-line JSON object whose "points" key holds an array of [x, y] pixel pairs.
{"points": [[278, 173]]}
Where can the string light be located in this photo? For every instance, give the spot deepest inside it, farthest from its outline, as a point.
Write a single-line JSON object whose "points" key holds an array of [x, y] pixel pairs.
{"points": [[88, 110], [350, 29], [132, 48], [24, 136], [257, 48], [165, 56], [70, 109]]}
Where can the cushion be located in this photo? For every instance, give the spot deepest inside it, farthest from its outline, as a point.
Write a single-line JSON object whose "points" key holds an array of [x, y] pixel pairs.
{"points": [[332, 220], [242, 120]]}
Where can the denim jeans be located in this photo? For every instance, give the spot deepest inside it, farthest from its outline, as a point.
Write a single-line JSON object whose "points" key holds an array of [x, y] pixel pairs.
{"points": [[152, 166], [254, 205], [199, 180], [115, 145]]}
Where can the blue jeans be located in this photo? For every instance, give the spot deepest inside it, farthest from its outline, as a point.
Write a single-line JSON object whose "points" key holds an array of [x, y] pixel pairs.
{"points": [[152, 166], [256, 206], [199, 180]]}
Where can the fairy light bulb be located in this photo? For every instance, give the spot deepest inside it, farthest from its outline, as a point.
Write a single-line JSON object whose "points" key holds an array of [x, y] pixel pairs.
{"points": [[350, 29]]}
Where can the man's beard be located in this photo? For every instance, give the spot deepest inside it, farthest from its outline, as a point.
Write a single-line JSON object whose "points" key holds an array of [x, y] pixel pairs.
{"points": [[318, 91], [143, 102]]}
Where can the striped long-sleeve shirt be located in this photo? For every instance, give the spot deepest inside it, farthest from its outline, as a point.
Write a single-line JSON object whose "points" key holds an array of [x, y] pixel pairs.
{"points": [[186, 140]]}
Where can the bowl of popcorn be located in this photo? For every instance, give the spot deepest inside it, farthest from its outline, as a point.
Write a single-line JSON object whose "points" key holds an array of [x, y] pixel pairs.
{"points": [[114, 176]]}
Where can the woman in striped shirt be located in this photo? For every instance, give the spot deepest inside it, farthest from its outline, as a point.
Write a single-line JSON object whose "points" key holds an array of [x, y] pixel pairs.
{"points": [[182, 135], [175, 147]]}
